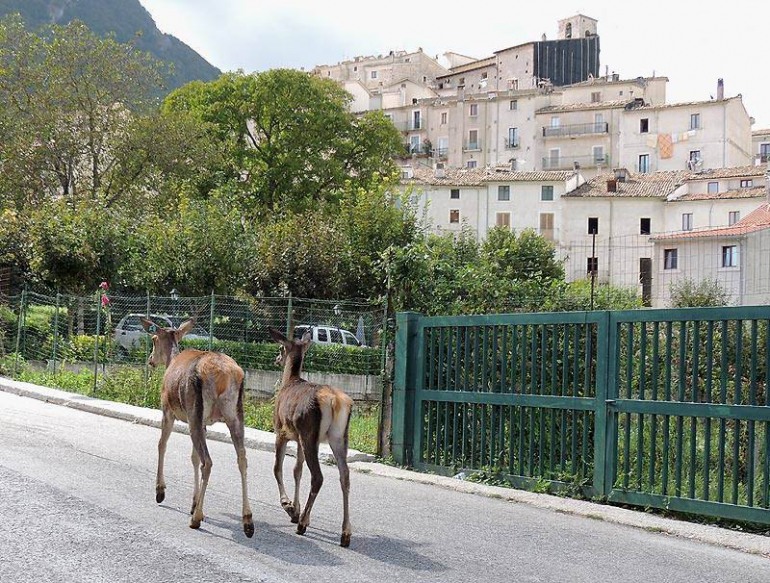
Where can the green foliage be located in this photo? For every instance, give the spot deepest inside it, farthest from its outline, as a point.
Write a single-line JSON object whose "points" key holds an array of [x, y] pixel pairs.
{"points": [[576, 296], [689, 294]]}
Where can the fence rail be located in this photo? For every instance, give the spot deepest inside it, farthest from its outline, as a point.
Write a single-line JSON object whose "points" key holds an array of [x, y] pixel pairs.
{"points": [[659, 408]]}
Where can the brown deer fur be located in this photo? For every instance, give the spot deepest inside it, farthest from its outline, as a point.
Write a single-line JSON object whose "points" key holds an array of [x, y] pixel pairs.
{"points": [[199, 388], [309, 413]]}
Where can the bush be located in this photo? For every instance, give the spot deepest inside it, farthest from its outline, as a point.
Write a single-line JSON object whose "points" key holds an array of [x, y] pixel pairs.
{"points": [[708, 292]]}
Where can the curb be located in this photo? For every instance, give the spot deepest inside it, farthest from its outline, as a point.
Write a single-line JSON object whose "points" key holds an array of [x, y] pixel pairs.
{"points": [[254, 438]]}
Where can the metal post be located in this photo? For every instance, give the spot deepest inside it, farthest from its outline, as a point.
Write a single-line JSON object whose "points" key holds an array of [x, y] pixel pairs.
{"points": [[96, 336], [55, 331], [211, 320], [288, 317], [593, 266], [19, 327], [404, 387]]}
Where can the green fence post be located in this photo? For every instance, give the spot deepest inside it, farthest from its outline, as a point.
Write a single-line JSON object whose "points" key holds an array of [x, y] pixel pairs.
{"points": [[19, 327], [96, 337], [288, 317], [55, 332], [605, 429], [211, 320], [404, 387]]}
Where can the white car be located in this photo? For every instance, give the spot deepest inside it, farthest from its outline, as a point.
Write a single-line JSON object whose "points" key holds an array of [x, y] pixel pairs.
{"points": [[130, 334], [326, 334]]}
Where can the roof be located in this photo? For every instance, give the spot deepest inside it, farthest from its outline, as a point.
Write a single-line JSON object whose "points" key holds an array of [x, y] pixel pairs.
{"points": [[479, 176], [480, 64], [757, 220], [761, 132], [730, 172], [685, 103], [652, 185], [618, 104], [752, 192]]}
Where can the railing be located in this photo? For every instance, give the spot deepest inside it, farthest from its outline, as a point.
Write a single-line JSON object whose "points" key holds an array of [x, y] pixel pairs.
{"points": [[578, 129], [511, 144], [655, 408], [565, 162], [415, 125], [467, 146]]}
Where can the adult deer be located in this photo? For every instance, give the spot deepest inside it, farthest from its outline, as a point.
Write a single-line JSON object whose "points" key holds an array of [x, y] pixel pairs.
{"points": [[199, 388], [309, 413]]}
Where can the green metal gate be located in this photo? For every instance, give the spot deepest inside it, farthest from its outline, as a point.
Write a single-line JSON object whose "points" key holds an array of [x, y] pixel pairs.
{"points": [[659, 408]]}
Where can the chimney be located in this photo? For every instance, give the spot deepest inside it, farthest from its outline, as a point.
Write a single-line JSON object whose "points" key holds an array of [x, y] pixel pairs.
{"points": [[439, 171], [620, 174], [720, 89], [612, 185]]}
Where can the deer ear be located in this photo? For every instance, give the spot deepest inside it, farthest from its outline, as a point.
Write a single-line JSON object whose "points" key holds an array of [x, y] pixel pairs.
{"points": [[149, 325], [307, 337], [277, 336], [185, 328]]}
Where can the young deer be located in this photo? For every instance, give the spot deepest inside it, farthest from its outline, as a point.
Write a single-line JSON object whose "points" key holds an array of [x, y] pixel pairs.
{"points": [[309, 414], [199, 388]]}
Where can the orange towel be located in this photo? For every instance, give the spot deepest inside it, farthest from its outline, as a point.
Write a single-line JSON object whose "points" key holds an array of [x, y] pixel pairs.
{"points": [[665, 146]]}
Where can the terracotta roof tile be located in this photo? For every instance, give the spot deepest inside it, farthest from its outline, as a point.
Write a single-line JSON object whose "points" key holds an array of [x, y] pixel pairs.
{"points": [[755, 192], [654, 184], [757, 220], [479, 176]]}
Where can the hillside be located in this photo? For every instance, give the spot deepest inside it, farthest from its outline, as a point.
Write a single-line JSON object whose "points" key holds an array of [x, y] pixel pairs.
{"points": [[128, 20]]}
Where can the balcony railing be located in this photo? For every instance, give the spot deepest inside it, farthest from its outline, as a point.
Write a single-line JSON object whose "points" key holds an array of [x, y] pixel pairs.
{"points": [[763, 158], [416, 124], [576, 129], [511, 144], [570, 162], [471, 146]]}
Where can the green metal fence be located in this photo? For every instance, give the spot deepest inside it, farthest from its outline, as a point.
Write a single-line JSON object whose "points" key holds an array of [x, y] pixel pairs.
{"points": [[658, 408]]}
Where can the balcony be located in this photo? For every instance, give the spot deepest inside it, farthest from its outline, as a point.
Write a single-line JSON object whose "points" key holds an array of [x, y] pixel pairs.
{"points": [[576, 129], [415, 124], [470, 146], [570, 162], [762, 158], [511, 144]]}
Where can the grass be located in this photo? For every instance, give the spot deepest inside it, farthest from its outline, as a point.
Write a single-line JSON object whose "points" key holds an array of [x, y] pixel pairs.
{"points": [[128, 385]]}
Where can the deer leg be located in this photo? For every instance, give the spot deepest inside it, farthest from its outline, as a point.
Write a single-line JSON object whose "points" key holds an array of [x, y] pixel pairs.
{"points": [[297, 480], [236, 433], [280, 453], [196, 463], [167, 424], [310, 447], [340, 448], [198, 435]]}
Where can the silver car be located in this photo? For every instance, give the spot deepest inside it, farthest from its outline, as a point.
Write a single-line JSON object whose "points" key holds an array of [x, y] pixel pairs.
{"points": [[129, 333]]}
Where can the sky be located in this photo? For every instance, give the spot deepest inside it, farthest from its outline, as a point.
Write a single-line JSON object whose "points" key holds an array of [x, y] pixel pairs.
{"points": [[687, 42]]}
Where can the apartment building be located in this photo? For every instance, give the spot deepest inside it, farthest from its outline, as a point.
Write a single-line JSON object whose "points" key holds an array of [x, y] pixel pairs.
{"points": [[760, 145]]}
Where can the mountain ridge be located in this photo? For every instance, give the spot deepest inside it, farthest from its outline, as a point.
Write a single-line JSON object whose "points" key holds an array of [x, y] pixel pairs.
{"points": [[129, 21]]}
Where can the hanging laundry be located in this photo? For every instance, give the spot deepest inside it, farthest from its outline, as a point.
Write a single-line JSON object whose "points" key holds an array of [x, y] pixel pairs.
{"points": [[665, 145]]}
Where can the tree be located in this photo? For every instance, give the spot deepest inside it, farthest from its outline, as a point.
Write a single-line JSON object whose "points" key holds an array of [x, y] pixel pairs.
{"points": [[291, 142], [689, 294], [68, 100]]}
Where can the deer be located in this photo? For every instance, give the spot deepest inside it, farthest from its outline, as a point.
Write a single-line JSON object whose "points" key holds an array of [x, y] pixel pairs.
{"points": [[309, 413], [199, 388]]}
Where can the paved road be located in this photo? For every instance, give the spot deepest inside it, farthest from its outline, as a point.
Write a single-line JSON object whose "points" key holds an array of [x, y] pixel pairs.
{"points": [[77, 504]]}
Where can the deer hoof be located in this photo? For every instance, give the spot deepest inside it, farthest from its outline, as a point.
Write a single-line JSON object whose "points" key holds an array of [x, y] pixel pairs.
{"points": [[195, 523], [160, 495], [301, 528], [248, 529], [345, 540]]}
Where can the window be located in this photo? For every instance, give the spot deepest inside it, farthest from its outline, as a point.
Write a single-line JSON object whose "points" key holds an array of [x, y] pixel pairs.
{"points": [[336, 335], [504, 192], [747, 183], [644, 125], [554, 156], [694, 121], [713, 187], [555, 122], [444, 117], [416, 118], [454, 216], [596, 97], [546, 192], [733, 217], [513, 138], [373, 75], [513, 84], [764, 152], [592, 266], [471, 164], [473, 109], [598, 154], [644, 226], [593, 225], [503, 220], [454, 193], [414, 144], [484, 76], [730, 256], [546, 226], [461, 82], [473, 139], [644, 163], [514, 105], [670, 258], [687, 221], [323, 335], [695, 159]]}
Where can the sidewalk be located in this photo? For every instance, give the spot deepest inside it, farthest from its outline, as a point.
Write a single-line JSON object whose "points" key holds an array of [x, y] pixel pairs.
{"points": [[365, 463]]}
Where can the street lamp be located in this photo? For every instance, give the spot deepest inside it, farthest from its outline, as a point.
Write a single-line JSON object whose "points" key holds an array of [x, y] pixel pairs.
{"points": [[337, 310], [175, 299]]}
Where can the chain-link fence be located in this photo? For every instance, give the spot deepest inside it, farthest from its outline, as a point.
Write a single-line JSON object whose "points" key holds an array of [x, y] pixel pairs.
{"points": [[104, 333]]}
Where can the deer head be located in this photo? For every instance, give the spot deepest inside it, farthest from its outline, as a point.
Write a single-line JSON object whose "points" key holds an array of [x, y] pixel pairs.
{"points": [[165, 341]]}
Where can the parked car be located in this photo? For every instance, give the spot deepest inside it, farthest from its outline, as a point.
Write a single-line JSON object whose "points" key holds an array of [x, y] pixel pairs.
{"points": [[326, 334], [129, 333]]}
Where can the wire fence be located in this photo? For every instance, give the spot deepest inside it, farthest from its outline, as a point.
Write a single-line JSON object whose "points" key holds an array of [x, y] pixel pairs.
{"points": [[104, 333]]}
